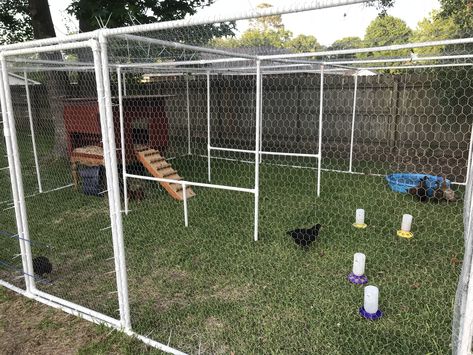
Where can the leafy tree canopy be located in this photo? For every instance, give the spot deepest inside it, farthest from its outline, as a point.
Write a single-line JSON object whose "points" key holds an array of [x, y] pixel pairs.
{"points": [[433, 28], [303, 43], [460, 11], [15, 22], [384, 31], [269, 31], [347, 43]]}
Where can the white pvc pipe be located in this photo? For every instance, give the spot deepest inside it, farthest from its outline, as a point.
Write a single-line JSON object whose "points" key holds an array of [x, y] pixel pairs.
{"points": [[114, 189], [290, 7], [208, 127], [352, 136], [393, 47], [400, 60], [321, 113], [191, 183], [89, 316], [465, 331], [233, 150], [285, 154], [13, 181], [122, 140], [427, 66], [261, 116], [15, 168], [51, 48], [179, 45], [75, 306], [196, 62], [49, 62], [307, 155], [33, 138], [188, 117], [257, 145], [65, 306], [184, 196], [200, 20], [51, 68], [124, 84], [470, 151], [108, 174]]}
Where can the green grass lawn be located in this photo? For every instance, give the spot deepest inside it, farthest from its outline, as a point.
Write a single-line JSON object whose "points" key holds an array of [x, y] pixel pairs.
{"points": [[211, 287]]}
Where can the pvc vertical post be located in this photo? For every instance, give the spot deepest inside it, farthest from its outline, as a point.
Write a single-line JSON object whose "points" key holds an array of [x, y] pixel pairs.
{"points": [[468, 162], [122, 140], [261, 120], [184, 196], [189, 152], [208, 127], [124, 84], [257, 145], [465, 331], [110, 158], [33, 138], [321, 115], [16, 179], [352, 137]]}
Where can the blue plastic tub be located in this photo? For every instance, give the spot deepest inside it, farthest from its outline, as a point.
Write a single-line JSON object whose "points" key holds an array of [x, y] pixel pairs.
{"points": [[402, 182]]}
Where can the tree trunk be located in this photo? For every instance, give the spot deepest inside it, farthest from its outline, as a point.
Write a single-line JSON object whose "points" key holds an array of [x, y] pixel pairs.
{"points": [[56, 81], [86, 80]]}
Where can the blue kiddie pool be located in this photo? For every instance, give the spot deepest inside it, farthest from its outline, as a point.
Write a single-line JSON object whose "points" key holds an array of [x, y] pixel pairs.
{"points": [[402, 182]]}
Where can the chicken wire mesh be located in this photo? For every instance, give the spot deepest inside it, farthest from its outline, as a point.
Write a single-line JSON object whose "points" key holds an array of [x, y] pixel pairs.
{"points": [[11, 269], [190, 115], [58, 130], [209, 289]]}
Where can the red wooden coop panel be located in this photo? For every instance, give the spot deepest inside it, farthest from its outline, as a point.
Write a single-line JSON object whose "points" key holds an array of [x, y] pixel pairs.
{"points": [[145, 123]]}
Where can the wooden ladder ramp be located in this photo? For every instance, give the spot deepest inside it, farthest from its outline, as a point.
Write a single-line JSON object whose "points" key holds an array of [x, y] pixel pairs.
{"points": [[160, 168]]}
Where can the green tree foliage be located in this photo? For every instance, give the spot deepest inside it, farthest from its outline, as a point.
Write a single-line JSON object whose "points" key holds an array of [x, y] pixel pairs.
{"points": [[303, 43], [382, 5], [92, 14], [347, 43], [433, 28], [461, 13], [269, 31], [15, 22], [270, 38], [384, 31]]}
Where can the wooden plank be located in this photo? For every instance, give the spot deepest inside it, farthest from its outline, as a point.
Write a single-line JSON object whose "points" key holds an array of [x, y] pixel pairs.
{"points": [[161, 165], [173, 177], [149, 155], [166, 172], [189, 193]]}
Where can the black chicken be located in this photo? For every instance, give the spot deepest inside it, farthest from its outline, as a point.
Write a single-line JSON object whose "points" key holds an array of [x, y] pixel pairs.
{"points": [[420, 191], [42, 265], [305, 237]]}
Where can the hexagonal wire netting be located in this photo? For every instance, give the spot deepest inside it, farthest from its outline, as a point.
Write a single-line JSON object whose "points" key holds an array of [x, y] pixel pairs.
{"points": [[217, 147]]}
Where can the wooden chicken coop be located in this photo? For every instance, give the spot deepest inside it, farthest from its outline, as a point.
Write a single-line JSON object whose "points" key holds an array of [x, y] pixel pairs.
{"points": [[145, 136], [145, 124]]}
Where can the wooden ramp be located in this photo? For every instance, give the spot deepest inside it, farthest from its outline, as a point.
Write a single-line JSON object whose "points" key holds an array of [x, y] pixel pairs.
{"points": [[160, 168]]}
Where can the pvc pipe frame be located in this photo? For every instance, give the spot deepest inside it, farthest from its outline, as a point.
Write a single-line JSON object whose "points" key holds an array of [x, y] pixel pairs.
{"points": [[7, 132], [208, 128], [352, 136], [33, 139], [321, 116], [122, 139], [10, 134], [106, 120], [87, 314]]}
